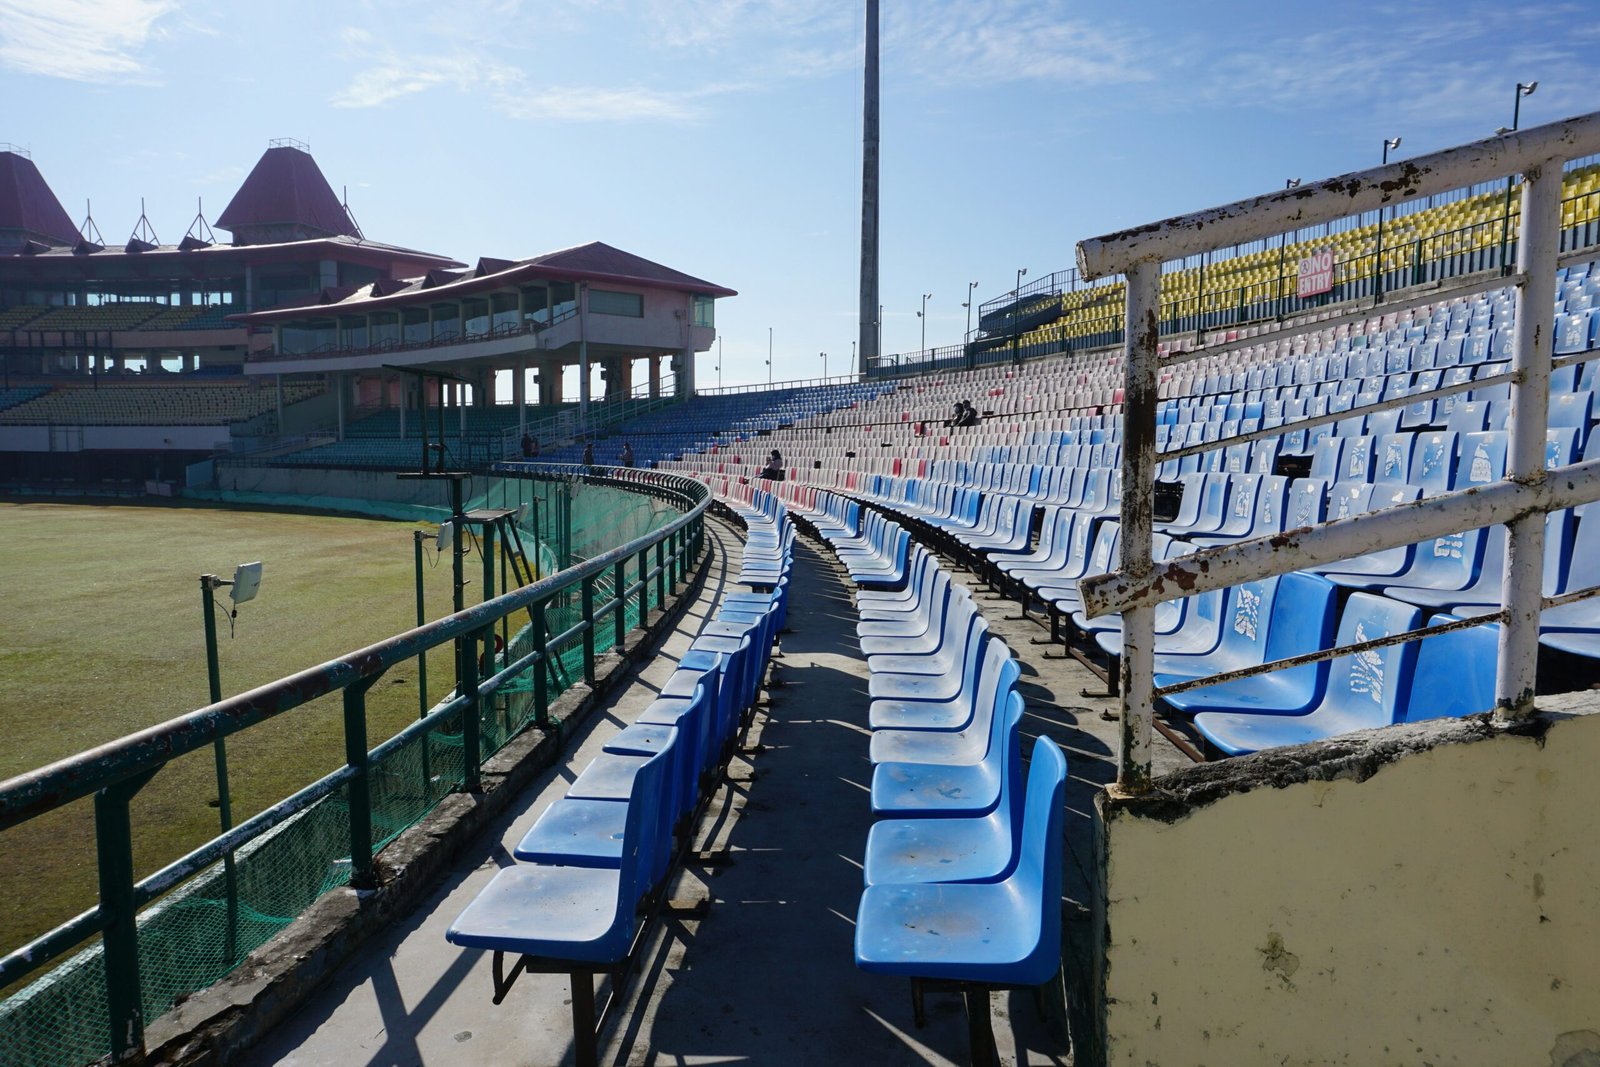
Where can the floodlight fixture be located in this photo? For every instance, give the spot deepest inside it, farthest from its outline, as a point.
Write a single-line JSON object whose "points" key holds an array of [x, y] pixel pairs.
{"points": [[246, 582], [521, 514], [447, 532]]}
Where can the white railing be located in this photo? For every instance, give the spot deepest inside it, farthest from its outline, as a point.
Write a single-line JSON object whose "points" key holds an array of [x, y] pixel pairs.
{"points": [[1519, 501]]}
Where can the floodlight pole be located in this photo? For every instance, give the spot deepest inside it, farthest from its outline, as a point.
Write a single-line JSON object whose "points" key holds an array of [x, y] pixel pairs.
{"points": [[209, 583]]}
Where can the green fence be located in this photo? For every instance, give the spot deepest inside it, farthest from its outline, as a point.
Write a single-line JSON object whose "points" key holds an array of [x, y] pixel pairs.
{"points": [[182, 928]]}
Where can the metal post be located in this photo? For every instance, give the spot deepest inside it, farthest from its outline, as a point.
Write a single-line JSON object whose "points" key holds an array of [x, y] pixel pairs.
{"points": [[644, 586], [1138, 484], [486, 550], [114, 854], [541, 671], [472, 714], [1520, 588], [219, 747], [587, 587], [661, 574], [359, 791], [619, 621], [417, 537], [1516, 120], [1377, 267]]}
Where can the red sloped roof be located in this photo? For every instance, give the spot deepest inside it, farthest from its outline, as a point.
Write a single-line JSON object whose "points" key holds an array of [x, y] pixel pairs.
{"points": [[600, 260], [26, 202], [286, 186]]}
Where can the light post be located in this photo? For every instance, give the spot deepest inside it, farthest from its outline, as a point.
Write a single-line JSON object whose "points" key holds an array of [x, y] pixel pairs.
{"points": [[1289, 183], [769, 355], [1516, 117], [1377, 266], [719, 363], [824, 356], [923, 315], [1016, 318], [246, 581], [966, 336]]}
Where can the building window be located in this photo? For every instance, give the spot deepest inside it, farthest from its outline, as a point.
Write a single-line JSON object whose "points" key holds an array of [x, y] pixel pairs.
{"points": [[705, 311], [605, 302]]}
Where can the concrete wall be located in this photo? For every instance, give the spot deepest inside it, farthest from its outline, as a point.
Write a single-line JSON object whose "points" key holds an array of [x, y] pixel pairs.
{"points": [[1424, 894]]}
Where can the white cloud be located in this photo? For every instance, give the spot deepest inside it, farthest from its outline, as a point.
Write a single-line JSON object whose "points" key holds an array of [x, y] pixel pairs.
{"points": [[1011, 41], [394, 76], [81, 40], [1420, 69], [576, 104]]}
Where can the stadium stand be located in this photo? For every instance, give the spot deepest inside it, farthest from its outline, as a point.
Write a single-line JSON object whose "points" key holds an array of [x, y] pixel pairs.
{"points": [[1048, 445], [152, 404]]}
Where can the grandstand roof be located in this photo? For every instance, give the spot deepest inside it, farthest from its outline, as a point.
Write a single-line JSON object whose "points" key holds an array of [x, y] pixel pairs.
{"points": [[592, 262], [227, 257], [286, 188], [28, 205]]}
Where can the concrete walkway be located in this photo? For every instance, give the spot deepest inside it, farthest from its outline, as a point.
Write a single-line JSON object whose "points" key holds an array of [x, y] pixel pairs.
{"points": [[767, 975]]}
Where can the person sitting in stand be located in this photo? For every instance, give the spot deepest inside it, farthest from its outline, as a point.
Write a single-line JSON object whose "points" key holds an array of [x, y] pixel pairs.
{"points": [[969, 417], [588, 456], [773, 471], [627, 454], [527, 446], [955, 415]]}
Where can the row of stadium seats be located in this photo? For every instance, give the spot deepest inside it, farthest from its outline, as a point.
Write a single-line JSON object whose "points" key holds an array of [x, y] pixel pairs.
{"points": [[963, 869], [1466, 225], [594, 868], [977, 491], [154, 404], [130, 316]]}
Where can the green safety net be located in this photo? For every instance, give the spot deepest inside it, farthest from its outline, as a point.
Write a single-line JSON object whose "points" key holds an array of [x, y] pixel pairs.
{"points": [[193, 936]]}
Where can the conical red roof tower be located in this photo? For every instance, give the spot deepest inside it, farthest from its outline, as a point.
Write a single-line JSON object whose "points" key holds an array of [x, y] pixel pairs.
{"points": [[285, 198], [29, 211]]}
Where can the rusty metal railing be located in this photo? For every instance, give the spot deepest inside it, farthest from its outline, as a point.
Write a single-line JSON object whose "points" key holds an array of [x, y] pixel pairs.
{"points": [[1518, 501]]}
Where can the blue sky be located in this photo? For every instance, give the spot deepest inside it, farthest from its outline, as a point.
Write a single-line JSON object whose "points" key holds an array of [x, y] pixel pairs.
{"points": [[723, 137]]}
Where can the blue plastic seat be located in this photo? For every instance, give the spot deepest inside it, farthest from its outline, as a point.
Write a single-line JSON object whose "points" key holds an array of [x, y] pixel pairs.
{"points": [[964, 742], [947, 790], [980, 677], [1364, 689], [1256, 508], [1454, 674], [1270, 619], [922, 635], [938, 654], [1005, 932], [905, 598], [1066, 536], [908, 613], [986, 848], [888, 685], [569, 913]]}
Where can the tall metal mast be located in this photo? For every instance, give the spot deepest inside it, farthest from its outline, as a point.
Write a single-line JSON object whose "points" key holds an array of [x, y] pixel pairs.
{"points": [[868, 346]]}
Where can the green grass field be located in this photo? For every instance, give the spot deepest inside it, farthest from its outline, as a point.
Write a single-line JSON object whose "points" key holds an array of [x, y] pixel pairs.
{"points": [[101, 635]]}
